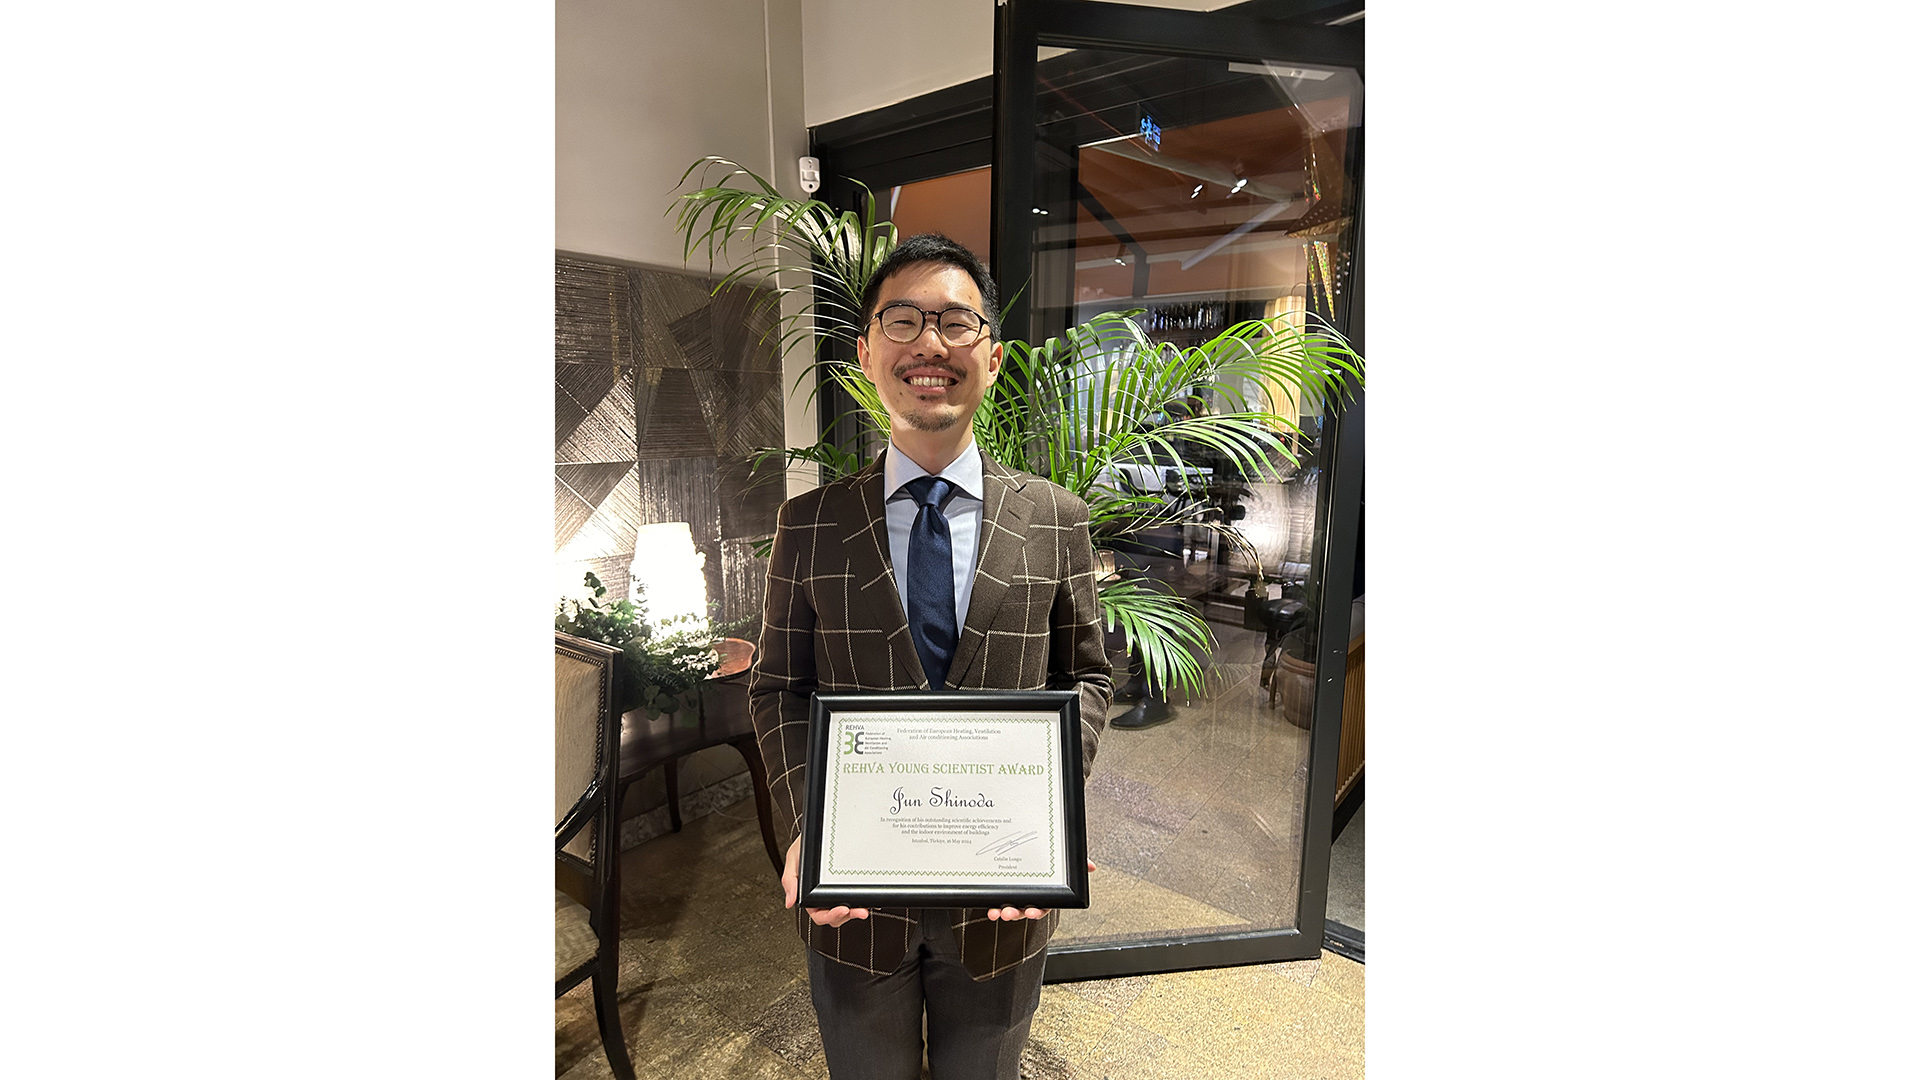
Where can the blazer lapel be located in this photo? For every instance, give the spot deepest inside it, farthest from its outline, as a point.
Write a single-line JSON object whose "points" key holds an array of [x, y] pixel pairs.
{"points": [[863, 535], [1003, 531]]}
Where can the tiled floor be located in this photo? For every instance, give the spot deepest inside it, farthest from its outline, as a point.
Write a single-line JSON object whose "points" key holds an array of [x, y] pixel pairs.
{"points": [[1197, 824], [713, 987]]}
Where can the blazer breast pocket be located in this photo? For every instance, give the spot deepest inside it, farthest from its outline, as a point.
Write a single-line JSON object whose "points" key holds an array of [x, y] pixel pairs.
{"points": [[1028, 602]]}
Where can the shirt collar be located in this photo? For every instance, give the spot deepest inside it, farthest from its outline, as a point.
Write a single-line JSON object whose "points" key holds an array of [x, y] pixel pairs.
{"points": [[965, 472]]}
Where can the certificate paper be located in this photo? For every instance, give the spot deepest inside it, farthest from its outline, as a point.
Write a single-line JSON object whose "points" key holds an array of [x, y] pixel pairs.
{"points": [[965, 805]]}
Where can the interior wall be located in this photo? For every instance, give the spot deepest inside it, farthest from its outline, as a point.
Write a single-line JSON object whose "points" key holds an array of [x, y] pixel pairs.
{"points": [[854, 62], [852, 66], [660, 386], [645, 88], [661, 390]]}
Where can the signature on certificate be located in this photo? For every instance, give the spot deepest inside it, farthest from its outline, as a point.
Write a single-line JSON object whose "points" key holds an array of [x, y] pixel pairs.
{"points": [[1006, 844]]}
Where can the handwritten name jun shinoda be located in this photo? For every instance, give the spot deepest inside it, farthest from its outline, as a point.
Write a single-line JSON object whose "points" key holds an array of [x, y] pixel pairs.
{"points": [[941, 768], [939, 798]]}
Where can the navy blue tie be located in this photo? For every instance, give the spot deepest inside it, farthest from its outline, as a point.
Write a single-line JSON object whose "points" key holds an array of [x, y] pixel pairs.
{"points": [[930, 608]]}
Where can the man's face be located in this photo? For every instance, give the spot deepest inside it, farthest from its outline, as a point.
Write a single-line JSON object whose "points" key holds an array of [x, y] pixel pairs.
{"points": [[926, 384]]}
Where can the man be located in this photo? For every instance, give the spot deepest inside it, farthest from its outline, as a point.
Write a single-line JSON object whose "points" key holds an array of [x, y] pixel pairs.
{"points": [[996, 568]]}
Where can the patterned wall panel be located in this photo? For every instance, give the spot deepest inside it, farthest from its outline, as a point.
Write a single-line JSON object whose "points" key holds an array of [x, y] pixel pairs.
{"points": [[744, 581], [661, 392], [606, 429], [595, 321]]}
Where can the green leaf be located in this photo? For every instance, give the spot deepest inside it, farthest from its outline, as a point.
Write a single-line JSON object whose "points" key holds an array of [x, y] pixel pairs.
{"points": [[1163, 630]]}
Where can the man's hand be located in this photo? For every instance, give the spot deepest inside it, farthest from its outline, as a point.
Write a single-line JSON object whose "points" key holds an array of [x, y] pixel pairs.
{"points": [[1005, 914], [790, 881]]}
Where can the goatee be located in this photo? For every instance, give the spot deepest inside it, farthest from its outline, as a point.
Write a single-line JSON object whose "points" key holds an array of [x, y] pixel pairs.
{"points": [[925, 420]]}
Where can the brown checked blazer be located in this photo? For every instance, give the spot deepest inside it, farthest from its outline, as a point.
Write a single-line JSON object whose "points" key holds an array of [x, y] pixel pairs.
{"points": [[834, 624]]}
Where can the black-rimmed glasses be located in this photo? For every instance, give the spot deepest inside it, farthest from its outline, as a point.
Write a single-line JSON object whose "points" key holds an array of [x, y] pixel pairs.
{"points": [[904, 323]]}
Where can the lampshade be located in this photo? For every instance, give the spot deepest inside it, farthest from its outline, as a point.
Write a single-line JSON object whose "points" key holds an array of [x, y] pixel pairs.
{"points": [[672, 571]]}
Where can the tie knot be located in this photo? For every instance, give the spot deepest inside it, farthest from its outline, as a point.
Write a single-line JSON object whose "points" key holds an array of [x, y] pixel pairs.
{"points": [[930, 490]]}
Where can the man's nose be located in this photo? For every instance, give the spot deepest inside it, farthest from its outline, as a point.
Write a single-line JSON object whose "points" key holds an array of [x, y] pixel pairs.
{"points": [[930, 342]]}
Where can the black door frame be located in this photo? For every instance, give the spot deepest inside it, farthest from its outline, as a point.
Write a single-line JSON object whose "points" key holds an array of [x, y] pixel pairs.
{"points": [[1021, 27]]}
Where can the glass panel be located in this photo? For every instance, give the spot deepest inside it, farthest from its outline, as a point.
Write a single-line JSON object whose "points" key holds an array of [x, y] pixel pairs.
{"points": [[957, 205], [1203, 193]]}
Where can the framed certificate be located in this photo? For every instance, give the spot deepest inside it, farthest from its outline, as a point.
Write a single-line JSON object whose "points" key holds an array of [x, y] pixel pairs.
{"points": [[957, 798]]}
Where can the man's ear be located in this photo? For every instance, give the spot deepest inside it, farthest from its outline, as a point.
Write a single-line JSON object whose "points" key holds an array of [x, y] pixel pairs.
{"points": [[860, 348], [993, 363]]}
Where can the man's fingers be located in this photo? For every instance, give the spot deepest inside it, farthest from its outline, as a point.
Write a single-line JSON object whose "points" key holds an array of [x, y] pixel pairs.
{"points": [[790, 881], [790, 877], [836, 916]]}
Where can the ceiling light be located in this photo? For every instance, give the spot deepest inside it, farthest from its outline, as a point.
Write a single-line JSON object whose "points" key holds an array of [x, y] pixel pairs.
{"points": [[1120, 261], [1196, 191], [1238, 186], [1039, 211], [1281, 71]]}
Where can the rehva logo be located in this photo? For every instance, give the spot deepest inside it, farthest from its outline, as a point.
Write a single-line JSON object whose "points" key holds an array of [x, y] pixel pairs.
{"points": [[853, 742]]}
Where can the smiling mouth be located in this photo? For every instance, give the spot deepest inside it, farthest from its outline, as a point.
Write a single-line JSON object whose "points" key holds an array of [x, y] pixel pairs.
{"points": [[935, 381]]}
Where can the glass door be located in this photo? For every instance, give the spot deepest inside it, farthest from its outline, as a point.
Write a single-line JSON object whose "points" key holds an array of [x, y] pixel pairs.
{"points": [[1202, 169]]}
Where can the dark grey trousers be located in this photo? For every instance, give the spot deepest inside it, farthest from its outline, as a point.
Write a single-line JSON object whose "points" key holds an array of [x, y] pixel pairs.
{"points": [[870, 1024]]}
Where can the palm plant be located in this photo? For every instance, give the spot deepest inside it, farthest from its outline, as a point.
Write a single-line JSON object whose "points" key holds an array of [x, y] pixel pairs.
{"points": [[1074, 409], [799, 247]]}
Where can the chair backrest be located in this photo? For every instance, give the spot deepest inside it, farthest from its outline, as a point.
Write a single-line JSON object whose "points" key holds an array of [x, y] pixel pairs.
{"points": [[586, 733]]}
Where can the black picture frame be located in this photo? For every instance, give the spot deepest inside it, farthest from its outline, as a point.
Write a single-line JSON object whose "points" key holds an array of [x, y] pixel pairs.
{"points": [[1063, 704]]}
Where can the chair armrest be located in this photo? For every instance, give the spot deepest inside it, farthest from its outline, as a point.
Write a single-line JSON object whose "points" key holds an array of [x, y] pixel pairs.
{"points": [[581, 813]]}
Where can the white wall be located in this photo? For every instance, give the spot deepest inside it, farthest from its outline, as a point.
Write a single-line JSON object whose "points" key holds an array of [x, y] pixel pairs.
{"points": [[644, 88], [854, 61]]}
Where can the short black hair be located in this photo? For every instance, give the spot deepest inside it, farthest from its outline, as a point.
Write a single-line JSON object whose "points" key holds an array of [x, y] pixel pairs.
{"points": [[933, 248]]}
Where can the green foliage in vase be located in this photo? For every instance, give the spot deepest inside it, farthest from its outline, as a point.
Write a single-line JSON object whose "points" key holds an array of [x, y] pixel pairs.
{"points": [[596, 619], [663, 665], [1074, 408]]}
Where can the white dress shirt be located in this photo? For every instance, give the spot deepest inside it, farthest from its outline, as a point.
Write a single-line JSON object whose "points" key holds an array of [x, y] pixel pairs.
{"points": [[964, 512]]}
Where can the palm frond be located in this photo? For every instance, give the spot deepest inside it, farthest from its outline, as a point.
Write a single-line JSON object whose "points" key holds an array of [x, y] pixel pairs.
{"points": [[1163, 630], [775, 460], [865, 395], [829, 252]]}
